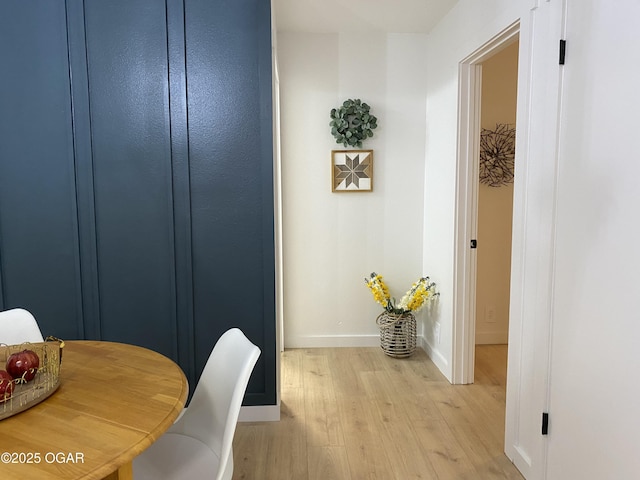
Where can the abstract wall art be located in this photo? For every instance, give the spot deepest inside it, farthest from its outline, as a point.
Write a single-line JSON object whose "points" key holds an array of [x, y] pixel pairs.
{"points": [[351, 170]]}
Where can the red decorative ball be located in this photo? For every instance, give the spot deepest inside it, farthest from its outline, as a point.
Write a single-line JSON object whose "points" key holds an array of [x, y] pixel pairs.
{"points": [[6, 385], [22, 366]]}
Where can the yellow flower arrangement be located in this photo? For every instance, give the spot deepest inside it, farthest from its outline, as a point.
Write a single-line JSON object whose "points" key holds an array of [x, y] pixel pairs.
{"points": [[420, 292]]}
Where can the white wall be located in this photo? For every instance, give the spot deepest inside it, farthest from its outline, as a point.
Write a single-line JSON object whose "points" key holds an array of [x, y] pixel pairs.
{"points": [[331, 240], [469, 25]]}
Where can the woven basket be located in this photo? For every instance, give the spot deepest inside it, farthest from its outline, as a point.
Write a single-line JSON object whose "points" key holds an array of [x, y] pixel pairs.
{"points": [[397, 333]]}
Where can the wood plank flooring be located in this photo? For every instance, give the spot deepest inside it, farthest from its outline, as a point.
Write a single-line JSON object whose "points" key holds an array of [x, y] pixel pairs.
{"points": [[356, 414]]}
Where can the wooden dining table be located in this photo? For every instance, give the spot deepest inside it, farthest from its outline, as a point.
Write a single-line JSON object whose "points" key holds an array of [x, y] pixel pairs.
{"points": [[113, 401]]}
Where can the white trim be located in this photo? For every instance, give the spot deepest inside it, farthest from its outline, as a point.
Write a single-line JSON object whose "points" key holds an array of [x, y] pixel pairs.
{"points": [[262, 413], [277, 219], [277, 186], [336, 341], [320, 341], [470, 76], [465, 260], [434, 354], [519, 458]]}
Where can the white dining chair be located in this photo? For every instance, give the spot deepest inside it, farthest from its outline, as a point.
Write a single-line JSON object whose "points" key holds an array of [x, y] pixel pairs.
{"points": [[18, 326], [199, 445]]}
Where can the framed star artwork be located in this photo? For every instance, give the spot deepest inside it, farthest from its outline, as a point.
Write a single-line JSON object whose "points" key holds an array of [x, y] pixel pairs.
{"points": [[351, 170]]}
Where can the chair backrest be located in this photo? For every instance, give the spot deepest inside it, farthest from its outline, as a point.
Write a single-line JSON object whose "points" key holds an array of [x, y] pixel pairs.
{"points": [[18, 326], [213, 412]]}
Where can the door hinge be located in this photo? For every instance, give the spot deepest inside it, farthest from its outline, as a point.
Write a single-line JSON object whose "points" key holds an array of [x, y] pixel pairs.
{"points": [[545, 423], [474, 243], [563, 48]]}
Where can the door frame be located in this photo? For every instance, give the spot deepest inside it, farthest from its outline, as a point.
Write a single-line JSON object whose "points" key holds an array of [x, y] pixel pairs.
{"points": [[539, 105], [466, 226]]}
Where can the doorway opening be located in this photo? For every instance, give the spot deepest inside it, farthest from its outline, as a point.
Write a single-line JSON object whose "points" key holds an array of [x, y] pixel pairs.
{"points": [[481, 306], [495, 213]]}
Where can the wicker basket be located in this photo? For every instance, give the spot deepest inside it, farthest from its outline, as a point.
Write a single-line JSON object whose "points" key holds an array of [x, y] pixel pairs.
{"points": [[397, 333], [45, 382]]}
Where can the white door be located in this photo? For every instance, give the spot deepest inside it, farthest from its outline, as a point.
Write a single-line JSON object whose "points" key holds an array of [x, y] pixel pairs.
{"points": [[594, 427], [539, 85]]}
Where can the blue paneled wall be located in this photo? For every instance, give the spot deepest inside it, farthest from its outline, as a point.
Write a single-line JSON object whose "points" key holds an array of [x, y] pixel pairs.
{"points": [[136, 199]]}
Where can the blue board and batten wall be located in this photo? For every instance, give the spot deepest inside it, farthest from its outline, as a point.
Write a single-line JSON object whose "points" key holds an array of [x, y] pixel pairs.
{"points": [[136, 179]]}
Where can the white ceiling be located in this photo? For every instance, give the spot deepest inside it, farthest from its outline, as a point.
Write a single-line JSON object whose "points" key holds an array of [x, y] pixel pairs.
{"points": [[390, 16]]}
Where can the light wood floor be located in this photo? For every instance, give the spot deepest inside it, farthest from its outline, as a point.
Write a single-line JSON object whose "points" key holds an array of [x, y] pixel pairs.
{"points": [[355, 414]]}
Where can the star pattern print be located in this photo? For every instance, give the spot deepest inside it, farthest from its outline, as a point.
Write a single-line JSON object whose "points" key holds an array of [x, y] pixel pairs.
{"points": [[352, 170]]}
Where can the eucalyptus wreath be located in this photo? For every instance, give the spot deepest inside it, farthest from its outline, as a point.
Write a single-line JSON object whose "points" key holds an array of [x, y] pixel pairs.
{"points": [[352, 123]]}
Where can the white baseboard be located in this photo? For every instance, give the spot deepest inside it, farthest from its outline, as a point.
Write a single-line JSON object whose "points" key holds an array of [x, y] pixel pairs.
{"points": [[520, 459], [319, 341], [271, 413], [436, 357], [260, 413]]}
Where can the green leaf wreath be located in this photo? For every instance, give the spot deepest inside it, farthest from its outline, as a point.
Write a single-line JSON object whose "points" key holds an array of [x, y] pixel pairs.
{"points": [[352, 123]]}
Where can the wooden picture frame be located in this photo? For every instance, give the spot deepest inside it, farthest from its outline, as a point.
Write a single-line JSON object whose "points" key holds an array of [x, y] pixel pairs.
{"points": [[351, 170]]}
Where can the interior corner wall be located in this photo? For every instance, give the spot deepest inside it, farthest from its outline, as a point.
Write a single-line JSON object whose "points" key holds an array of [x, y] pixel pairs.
{"points": [[331, 241], [468, 26], [495, 205]]}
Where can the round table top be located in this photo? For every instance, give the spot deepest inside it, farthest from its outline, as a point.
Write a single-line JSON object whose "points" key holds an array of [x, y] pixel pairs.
{"points": [[113, 401]]}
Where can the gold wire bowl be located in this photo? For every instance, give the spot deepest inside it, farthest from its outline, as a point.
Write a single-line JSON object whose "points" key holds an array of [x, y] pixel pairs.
{"points": [[45, 382]]}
